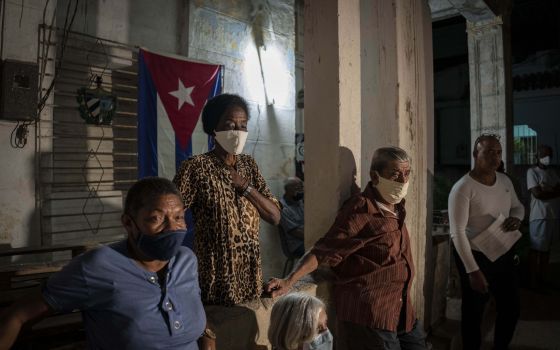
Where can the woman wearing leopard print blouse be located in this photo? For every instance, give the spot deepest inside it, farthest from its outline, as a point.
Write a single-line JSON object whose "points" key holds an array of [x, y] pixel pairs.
{"points": [[227, 196]]}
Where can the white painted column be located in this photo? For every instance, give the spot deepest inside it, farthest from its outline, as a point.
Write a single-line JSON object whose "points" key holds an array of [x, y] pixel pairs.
{"points": [[332, 126], [490, 82], [332, 110], [415, 115], [368, 84], [397, 109]]}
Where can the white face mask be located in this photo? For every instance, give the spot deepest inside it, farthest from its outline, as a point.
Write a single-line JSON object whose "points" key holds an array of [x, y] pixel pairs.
{"points": [[545, 161], [232, 141], [323, 341], [392, 191]]}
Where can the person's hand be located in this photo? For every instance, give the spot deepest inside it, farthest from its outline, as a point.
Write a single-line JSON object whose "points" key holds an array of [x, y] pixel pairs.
{"points": [[277, 287], [478, 282], [239, 182], [206, 343], [511, 224]]}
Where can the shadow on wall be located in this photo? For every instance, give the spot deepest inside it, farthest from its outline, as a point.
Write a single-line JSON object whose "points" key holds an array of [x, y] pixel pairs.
{"points": [[323, 277], [348, 183]]}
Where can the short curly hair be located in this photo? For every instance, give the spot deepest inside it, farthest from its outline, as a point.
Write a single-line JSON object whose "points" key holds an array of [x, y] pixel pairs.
{"points": [[482, 138], [217, 106], [145, 191]]}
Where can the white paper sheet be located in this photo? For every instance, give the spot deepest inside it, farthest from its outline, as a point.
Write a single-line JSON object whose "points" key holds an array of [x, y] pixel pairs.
{"points": [[494, 241]]}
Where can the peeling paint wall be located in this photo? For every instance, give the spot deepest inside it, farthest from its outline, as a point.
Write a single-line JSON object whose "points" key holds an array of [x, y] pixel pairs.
{"points": [[257, 50], [128, 21], [218, 31], [18, 219], [17, 188]]}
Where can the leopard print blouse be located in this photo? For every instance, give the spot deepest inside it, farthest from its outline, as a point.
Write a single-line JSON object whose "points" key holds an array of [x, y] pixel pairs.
{"points": [[226, 227]]}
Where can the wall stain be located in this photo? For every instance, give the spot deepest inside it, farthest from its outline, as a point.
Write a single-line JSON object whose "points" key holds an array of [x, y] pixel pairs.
{"points": [[410, 114], [8, 223]]}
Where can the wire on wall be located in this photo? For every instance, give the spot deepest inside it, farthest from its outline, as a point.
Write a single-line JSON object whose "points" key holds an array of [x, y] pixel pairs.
{"points": [[46, 43], [18, 136], [21, 13], [66, 29]]}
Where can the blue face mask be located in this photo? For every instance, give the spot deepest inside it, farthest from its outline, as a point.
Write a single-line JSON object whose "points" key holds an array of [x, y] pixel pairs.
{"points": [[323, 341], [162, 246]]}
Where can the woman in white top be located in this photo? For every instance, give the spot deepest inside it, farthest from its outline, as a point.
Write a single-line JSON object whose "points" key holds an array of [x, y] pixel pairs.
{"points": [[475, 202]]}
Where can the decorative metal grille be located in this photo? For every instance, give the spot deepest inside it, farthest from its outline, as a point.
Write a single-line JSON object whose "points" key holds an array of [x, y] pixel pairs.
{"points": [[84, 170]]}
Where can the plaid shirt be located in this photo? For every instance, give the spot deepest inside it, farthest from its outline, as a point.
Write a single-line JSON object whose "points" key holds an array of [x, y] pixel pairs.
{"points": [[369, 251]]}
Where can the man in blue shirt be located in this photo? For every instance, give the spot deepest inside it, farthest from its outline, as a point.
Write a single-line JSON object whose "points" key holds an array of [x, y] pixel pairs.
{"points": [[140, 293], [292, 219]]}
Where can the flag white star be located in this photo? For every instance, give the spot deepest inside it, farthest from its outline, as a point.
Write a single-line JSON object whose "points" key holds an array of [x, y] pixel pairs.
{"points": [[183, 94]]}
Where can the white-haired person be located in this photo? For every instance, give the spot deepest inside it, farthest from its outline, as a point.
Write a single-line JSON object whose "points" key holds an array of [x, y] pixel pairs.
{"points": [[299, 322]]}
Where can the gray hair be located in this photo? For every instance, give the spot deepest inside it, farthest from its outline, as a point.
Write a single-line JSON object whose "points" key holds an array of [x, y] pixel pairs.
{"points": [[384, 155], [294, 320]]}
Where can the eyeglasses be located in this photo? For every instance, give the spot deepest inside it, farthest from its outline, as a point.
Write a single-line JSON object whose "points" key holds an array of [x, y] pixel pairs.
{"points": [[402, 176]]}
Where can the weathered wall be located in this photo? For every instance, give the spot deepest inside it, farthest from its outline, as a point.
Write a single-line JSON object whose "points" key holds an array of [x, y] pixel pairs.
{"points": [[222, 32], [18, 219], [131, 22], [368, 78], [17, 188], [157, 25], [257, 50]]}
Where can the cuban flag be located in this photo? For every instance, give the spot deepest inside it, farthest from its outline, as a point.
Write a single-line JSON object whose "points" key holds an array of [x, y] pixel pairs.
{"points": [[172, 92]]}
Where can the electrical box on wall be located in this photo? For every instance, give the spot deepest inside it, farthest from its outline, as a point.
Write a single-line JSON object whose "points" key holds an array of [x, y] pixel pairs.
{"points": [[18, 92]]}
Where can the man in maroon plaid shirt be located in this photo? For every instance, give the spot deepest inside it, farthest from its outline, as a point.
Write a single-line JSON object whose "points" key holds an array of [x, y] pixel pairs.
{"points": [[368, 248]]}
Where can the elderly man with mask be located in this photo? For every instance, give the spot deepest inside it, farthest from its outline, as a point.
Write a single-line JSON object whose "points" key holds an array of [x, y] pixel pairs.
{"points": [[139, 293], [368, 248]]}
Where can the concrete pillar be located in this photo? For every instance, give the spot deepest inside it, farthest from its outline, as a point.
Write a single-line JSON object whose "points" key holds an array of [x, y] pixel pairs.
{"points": [[490, 81], [332, 109], [415, 115], [332, 118], [368, 84]]}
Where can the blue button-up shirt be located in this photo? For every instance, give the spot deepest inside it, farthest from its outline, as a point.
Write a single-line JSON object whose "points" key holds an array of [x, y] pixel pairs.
{"points": [[124, 306]]}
